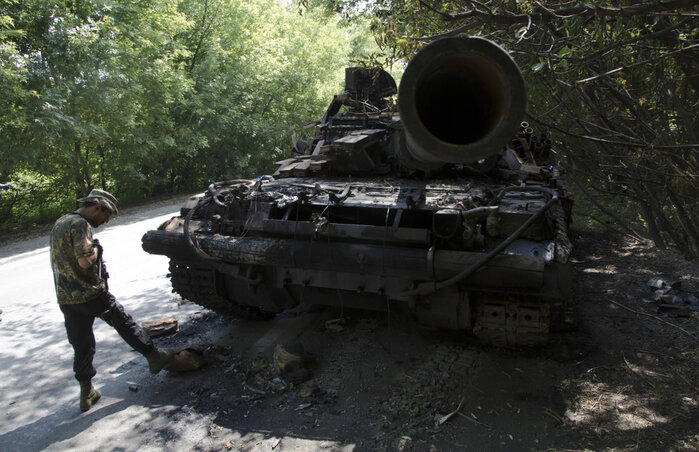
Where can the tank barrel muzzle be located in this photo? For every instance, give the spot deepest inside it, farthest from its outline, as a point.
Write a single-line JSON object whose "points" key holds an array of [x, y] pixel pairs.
{"points": [[461, 99]]}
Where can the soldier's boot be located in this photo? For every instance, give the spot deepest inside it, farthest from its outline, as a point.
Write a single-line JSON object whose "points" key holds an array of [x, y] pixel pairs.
{"points": [[159, 360], [88, 395]]}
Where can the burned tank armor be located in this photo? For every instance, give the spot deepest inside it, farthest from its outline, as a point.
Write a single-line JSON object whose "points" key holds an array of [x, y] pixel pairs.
{"points": [[447, 206]]}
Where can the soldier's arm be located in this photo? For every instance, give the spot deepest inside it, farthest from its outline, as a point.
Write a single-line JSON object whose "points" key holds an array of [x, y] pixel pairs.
{"points": [[82, 246], [88, 260]]}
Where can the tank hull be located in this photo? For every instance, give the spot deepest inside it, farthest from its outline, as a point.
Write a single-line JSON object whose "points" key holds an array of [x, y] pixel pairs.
{"points": [[265, 252]]}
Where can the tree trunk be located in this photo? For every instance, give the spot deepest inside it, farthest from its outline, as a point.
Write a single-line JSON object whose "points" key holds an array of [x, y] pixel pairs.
{"points": [[692, 248], [79, 176], [103, 182], [649, 216], [662, 220], [86, 170], [195, 54], [172, 178]]}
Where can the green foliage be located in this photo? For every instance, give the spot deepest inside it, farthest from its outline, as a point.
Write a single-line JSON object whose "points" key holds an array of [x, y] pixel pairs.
{"points": [[149, 98], [33, 197]]}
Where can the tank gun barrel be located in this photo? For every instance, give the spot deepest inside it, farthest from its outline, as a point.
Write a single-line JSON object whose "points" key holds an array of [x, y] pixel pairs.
{"points": [[461, 100]]}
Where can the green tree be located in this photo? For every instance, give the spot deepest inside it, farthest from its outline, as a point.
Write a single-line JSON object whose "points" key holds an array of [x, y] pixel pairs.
{"points": [[145, 98], [13, 77], [260, 70], [95, 69]]}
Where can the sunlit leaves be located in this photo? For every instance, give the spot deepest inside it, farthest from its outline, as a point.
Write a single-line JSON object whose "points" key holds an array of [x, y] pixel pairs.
{"points": [[144, 98]]}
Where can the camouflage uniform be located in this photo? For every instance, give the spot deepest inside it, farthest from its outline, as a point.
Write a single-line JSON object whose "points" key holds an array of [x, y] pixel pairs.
{"points": [[71, 238], [82, 295]]}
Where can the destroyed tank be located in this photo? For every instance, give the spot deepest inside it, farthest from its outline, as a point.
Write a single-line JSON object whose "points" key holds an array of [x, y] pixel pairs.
{"points": [[447, 207]]}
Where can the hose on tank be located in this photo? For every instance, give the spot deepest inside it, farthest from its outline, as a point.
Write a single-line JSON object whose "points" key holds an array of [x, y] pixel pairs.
{"points": [[429, 287]]}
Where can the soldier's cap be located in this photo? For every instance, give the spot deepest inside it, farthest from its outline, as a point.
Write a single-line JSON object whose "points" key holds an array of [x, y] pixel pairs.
{"points": [[103, 198]]}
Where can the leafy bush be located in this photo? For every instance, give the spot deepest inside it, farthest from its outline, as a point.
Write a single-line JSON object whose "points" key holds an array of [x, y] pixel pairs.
{"points": [[33, 198]]}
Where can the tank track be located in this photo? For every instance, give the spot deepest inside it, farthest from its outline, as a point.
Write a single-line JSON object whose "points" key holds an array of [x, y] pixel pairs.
{"points": [[512, 323], [197, 283]]}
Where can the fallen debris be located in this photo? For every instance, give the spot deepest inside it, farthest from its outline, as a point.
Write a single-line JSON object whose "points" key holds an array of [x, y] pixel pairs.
{"points": [[671, 298], [253, 389], [675, 310], [162, 327], [475, 421], [335, 325], [187, 359], [442, 419], [292, 363], [550, 412], [306, 390], [657, 283]]}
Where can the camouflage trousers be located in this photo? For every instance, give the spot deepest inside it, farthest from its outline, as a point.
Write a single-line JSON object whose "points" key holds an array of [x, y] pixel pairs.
{"points": [[79, 319]]}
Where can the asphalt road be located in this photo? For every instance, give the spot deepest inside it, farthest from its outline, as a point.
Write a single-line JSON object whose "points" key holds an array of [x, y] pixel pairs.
{"points": [[38, 394]]}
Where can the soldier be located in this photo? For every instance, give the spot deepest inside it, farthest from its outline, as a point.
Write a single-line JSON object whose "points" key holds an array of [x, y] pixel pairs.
{"points": [[81, 289]]}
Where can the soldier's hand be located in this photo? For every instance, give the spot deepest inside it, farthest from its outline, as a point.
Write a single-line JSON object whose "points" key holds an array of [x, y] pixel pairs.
{"points": [[96, 244]]}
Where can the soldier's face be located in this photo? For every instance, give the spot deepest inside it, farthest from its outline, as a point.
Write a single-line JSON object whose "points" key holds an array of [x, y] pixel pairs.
{"points": [[105, 214], [99, 216]]}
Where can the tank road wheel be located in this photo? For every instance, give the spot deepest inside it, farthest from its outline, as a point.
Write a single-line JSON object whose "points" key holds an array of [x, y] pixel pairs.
{"points": [[512, 323], [197, 284]]}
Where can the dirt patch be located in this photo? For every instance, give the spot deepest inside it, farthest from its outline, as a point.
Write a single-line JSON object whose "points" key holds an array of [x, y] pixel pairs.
{"points": [[641, 385], [616, 374]]}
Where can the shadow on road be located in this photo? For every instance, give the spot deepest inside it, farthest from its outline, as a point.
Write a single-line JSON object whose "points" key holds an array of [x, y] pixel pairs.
{"points": [[63, 425]]}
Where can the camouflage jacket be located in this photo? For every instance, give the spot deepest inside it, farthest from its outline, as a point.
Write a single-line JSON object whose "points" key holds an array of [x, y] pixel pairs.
{"points": [[71, 238]]}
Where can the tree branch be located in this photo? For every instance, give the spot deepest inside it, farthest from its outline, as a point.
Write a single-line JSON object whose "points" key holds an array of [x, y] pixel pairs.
{"points": [[690, 334], [611, 142], [622, 68], [639, 9], [596, 203]]}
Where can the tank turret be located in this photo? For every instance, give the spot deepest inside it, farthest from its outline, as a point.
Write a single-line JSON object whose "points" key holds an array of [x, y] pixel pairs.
{"points": [[461, 100], [446, 206]]}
